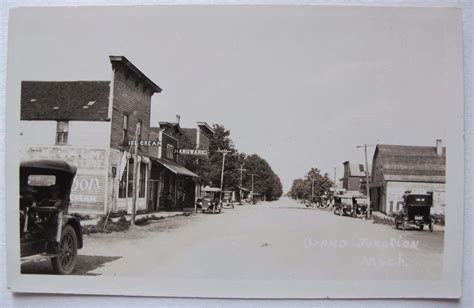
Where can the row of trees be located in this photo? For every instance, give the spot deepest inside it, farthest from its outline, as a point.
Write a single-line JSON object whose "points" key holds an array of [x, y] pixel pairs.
{"points": [[313, 181], [266, 182]]}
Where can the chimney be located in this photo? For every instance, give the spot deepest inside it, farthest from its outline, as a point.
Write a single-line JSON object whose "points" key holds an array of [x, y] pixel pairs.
{"points": [[178, 118], [439, 147]]}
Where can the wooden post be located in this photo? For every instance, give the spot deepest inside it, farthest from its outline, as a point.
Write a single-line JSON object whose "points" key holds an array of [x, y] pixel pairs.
{"points": [[367, 187], [135, 172]]}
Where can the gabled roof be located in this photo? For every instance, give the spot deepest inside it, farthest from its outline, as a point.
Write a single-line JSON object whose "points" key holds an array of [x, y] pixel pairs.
{"points": [[411, 163], [65, 100]]}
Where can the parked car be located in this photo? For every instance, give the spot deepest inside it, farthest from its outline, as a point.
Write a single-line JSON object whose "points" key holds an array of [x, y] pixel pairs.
{"points": [[350, 205], [210, 201], [415, 211], [46, 229]]}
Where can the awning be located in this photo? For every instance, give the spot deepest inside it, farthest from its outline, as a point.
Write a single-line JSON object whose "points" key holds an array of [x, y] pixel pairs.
{"points": [[175, 167]]}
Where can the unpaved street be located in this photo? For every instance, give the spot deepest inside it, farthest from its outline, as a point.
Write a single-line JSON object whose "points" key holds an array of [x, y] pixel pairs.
{"points": [[277, 240]]}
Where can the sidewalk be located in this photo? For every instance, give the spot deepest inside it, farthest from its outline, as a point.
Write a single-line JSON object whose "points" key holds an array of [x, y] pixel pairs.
{"points": [[128, 217]]}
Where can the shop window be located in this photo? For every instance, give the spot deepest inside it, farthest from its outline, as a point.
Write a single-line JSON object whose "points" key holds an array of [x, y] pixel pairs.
{"points": [[123, 184], [141, 191], [169, 151], [139, 124], [62, 129]]}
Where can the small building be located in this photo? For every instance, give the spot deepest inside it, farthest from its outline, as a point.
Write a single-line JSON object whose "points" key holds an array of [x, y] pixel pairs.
{"points": [[91, 125], [354, 176], [400, 168]]}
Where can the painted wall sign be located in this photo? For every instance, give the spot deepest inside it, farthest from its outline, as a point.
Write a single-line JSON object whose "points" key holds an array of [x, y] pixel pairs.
{"points": [[88, 188]]}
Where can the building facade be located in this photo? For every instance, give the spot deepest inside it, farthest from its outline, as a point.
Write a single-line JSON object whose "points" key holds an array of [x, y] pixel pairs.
{"points": [[399, 168], [354, 177], [92, 125]]}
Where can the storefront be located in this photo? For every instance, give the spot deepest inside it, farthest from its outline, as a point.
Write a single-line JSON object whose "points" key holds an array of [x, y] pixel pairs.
{"points": [[172, 186]]}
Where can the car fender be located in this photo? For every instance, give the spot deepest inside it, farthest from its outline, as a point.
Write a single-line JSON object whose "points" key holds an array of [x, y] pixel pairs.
{"points": [[74, 222]]}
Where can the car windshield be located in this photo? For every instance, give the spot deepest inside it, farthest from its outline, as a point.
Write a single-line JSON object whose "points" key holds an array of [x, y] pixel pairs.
{"points": [[419, 200]]}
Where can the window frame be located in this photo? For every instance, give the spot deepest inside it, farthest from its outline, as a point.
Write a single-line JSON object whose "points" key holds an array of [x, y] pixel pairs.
{"points": [[62, 132]]}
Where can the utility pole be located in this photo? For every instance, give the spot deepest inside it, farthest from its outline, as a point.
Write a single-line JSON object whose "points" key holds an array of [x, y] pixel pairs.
{"points": [[240, 188], [224, 153], [312, 189], [367, 187], [135, 173], [252, 175]]}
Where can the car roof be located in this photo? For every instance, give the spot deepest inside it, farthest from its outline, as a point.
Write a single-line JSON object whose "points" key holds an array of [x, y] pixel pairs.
{"points": [[56, 165]]}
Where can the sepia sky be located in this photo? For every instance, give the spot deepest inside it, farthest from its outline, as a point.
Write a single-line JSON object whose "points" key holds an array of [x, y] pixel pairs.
{"points": [[299, 86]]}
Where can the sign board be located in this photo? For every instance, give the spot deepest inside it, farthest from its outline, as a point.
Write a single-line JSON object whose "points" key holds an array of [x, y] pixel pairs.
{"points": [[88, 188], [191, 152]]}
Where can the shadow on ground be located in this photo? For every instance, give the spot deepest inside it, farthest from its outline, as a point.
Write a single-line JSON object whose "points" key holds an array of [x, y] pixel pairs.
{"points": [[84, 265]]}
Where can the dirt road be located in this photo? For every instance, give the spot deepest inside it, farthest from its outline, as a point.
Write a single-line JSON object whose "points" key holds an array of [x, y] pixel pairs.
{"points": [[277, 240]]}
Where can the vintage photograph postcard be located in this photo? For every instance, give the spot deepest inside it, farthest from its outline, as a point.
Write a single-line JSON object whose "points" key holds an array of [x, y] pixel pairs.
{"points": [[235, 151]]}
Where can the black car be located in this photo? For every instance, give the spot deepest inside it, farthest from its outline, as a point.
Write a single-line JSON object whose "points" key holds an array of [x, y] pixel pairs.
{"points": [[46, 229], [415, 211]]}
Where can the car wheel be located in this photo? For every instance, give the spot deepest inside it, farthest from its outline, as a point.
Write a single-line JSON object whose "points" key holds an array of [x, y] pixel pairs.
{"points": [[65, 262], [431, 226], [396, 224], [404, 225], [420, 227]]}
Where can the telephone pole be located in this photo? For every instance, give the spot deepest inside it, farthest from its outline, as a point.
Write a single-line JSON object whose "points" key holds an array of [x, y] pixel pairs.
{"points": [[224, 153], [240, 188], [135, 173], [252, 174], [367, 187]]}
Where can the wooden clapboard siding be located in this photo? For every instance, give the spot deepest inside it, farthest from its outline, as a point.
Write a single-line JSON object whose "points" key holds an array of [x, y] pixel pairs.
{"points": [[133, 98]]}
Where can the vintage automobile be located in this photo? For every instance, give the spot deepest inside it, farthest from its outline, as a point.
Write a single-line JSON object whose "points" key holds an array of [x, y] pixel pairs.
{"points": [[46, 229], [342, 205], [350, 205], [210, 201], [415, 211], [359, 206]]}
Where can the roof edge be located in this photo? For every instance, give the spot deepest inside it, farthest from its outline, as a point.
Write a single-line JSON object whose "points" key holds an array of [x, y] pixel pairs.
{"points": [[123, 60]]}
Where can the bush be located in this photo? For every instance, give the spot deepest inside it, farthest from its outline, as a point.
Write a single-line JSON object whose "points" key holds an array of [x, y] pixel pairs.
{"points": [[382, 220], [439, 219], [121, 225]]}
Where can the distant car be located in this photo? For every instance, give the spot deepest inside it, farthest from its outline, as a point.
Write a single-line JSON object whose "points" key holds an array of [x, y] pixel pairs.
{"points": [[209, 205], [46, 229]]}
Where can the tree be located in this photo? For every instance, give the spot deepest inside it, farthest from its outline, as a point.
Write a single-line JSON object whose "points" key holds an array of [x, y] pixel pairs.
{"points": [[303, 188], [209, 168], [266, 182]]}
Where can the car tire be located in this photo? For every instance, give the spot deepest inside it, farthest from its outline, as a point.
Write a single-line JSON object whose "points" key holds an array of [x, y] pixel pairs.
{"points": [[421, 227], [404, 225], [65, 262], [396, 224], [431, 227]]}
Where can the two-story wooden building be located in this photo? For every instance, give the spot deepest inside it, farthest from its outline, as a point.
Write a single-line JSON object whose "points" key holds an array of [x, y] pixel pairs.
{"points": [[91, 124]]}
